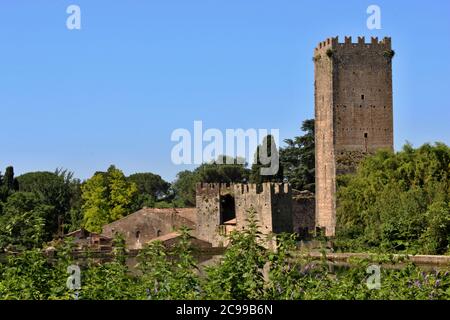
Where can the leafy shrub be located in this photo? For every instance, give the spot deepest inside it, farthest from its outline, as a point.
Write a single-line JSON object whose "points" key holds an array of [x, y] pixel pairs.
{"points": [[397, 202], [248, 270]]}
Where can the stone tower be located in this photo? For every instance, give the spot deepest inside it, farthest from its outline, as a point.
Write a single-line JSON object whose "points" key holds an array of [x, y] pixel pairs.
{"points": [[353, 113]]}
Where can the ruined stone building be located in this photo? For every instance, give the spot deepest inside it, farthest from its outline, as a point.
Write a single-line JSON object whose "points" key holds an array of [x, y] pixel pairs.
{"points": [[353, 113], [220, 209]]}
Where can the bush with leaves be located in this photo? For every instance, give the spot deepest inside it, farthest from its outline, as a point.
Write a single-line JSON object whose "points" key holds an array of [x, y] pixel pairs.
{"points": [[397, 202], [240, 274], [169, 273], [247, 270], [23, 222]]}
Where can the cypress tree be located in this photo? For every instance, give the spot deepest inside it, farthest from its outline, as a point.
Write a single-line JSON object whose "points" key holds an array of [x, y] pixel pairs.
{"points": [[8, 180]]}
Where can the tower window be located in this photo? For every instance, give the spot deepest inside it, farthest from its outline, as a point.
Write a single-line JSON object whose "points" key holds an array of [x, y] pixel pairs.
{"points": [[365, 135], [362, 97]]}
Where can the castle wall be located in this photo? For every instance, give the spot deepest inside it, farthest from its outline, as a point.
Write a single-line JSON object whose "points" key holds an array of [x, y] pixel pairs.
{"points": [[250, 196], [208, 213]]}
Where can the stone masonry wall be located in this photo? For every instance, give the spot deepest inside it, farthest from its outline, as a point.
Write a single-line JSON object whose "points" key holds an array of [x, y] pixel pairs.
{"points": [[303, 214], [353, 109], [148, 223], [272, 204]]}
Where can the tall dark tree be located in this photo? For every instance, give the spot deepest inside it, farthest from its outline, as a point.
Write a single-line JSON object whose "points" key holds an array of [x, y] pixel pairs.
{"points": [[8, 184], [8, 180], [267, 166], [298, 158]]}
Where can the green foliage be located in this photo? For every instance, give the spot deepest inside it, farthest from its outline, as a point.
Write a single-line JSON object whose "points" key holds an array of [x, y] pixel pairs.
{"points": [[298, 158], [184, 187], [96, 204], [151, 188], [8, 180], [25, 276], [397, 202], [285, 270], [107, 281], [121, 194], [8, 184], [106, 197], [58, 190], [247, 270], [169, 273], [223, 170], [240, 273], [22, 224]]}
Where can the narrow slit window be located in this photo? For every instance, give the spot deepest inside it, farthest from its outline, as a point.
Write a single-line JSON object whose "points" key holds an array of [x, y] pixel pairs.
{"points": [[362, 97]]}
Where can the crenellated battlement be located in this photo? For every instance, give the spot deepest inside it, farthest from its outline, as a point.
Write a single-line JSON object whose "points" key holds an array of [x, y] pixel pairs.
{"points": [[241, 188], [278, 188], [207, 188], [267, 187], [333, 43]]}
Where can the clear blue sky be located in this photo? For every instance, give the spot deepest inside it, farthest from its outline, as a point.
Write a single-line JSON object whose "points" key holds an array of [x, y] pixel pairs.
{"points": [[113, 92]]}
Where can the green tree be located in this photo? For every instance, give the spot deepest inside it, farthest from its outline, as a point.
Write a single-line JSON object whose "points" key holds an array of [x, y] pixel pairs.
{"points": [[121, 194], [184, 187], [8, 180], [151, 189], [95, 202], [106, 198], [57, 189], [8, 184], [298, 158]]}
